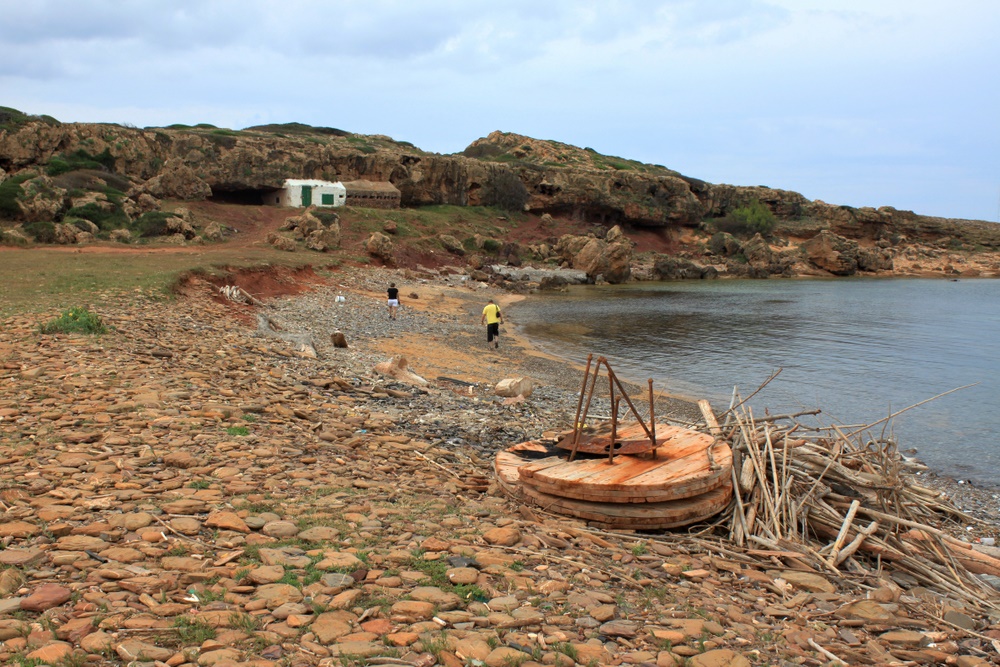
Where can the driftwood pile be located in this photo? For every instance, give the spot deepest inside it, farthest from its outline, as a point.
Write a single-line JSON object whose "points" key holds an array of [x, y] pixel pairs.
{"points": [[839, 500]]}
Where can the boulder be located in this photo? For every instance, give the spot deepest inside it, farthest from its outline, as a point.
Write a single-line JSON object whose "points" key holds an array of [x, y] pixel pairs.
{"points": [[65, 234], [509, 387], [758, 252], [303, 224], [451, 244], [397, 368], [379, 245], [281, 242], [677, 268], [214, 231], [322, 240], [831, 253], [121, 235], [40, 199], [177, 181]]}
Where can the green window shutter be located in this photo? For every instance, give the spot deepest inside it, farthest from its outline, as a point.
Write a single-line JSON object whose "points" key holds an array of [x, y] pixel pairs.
{"points": [[327, 200]]}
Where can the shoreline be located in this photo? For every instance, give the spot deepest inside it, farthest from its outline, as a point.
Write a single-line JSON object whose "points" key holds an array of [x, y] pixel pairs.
{"points": [[473, 361], [191, 471]]}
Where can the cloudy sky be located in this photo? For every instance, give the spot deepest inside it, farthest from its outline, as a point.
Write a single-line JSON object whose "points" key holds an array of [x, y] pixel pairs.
{"points": [[857, 102]]}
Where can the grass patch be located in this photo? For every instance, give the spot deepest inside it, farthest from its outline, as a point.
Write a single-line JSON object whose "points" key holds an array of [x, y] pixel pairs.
{"points": [[193, 632], [75, 320], [238, 430]]}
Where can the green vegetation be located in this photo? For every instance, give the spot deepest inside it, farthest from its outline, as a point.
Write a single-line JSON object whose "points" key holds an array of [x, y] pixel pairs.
{"points": [[106, 217], [75, 320], [10, 191], [756, 218], [80, 159], [193, 632], [504, 190], [12, 119], [152, 223], [238, 430]]}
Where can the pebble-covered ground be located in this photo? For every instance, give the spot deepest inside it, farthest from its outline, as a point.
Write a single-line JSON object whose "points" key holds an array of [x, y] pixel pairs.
{"points": [[184, 490]]}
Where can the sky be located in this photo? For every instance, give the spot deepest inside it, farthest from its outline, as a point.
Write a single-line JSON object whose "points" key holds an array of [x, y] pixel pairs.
{"points": [[853, 102]]}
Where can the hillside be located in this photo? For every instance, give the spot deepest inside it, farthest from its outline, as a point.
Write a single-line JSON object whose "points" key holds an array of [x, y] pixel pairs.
{"points": [[105, 178]]}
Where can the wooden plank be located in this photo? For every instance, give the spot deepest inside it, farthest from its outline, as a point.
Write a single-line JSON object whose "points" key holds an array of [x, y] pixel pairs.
{"points": [[709, 415], [631, 476], [670, 514], [693, 488]]}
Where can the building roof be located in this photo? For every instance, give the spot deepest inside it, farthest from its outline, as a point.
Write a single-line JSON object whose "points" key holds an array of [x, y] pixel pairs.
{"points": [[296, 182], [362, 186]]}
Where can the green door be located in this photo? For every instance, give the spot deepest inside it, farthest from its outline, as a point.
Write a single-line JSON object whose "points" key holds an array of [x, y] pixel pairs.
{"points": [[307, 195]]}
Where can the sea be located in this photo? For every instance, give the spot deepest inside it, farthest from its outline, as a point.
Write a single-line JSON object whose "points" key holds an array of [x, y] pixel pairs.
{"points": [[858, 349]]}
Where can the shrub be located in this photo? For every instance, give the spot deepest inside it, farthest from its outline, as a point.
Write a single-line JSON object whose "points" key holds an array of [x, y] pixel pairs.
{"points": [[504, 190], [151, 223], [755, 218], [75, 320], [10, 190], [80, 159], [44, 231], [106, 219]]}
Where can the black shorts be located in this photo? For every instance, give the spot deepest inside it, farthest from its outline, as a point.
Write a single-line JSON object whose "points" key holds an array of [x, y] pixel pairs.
{"points": [[492, 331]]}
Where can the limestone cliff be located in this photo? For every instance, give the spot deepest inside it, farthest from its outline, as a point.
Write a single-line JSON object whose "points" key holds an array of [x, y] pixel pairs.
{"points": [[181, 162]]}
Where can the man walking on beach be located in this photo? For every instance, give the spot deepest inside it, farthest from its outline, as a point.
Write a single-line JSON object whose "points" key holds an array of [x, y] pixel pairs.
{"points": [[393, 294], [492, 319]]}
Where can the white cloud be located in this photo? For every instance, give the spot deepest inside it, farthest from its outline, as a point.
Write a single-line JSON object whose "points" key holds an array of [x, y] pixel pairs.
{"points": [[842, 100]]}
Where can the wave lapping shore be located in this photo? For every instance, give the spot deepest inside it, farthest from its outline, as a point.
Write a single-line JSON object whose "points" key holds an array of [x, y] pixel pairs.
{"points": [[187, 490]]}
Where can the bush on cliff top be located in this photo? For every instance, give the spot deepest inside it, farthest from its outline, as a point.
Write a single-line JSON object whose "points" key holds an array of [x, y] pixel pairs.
{"points": [[80, 159]]}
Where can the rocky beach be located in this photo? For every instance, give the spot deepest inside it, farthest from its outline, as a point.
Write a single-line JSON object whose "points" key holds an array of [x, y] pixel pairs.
{"points": [[215, 483]]}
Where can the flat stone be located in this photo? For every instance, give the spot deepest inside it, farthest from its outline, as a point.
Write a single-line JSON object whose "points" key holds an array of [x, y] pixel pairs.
{"points": [[96, 642], [806, 581], [319, 534], [45, 597], [462, 575], [276, 595], [336, 560], [225, 655], [440, 599], [330, 626], [910, 638], [619, 629], [280, 529], [21, 557], [411, 611], [52, 653], [135, 649], [227, 521], [10, 605], [18, 529], [186, 525], [722, 657], [505, 537], [81, 543], [267, 574]]}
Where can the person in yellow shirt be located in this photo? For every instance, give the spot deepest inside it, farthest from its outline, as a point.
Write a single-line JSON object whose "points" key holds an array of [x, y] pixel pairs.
{"points": [[492, 319]]}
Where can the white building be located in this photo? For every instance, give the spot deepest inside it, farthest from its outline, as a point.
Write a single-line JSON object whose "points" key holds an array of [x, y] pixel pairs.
{"points": [[299, 192]]}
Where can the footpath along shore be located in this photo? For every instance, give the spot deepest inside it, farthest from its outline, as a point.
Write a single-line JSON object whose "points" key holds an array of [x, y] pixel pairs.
{"points": [[184, 490]]}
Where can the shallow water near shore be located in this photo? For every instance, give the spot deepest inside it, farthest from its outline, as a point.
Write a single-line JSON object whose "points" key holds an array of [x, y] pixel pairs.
{"points": [[859, 349]]}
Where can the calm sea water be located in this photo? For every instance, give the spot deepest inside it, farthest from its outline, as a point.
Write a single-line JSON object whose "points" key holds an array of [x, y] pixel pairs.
{"points": [[858, 349]]}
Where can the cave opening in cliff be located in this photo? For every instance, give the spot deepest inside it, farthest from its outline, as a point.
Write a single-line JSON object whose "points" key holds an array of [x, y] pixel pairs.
{"points": [[245, 196]]}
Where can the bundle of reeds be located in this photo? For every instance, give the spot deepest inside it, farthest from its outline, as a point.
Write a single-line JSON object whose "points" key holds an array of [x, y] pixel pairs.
{"points": [[839, 499]]}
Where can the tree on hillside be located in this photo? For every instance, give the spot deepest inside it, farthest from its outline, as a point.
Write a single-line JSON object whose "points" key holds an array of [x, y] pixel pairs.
{"points": [[504, 190]]}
